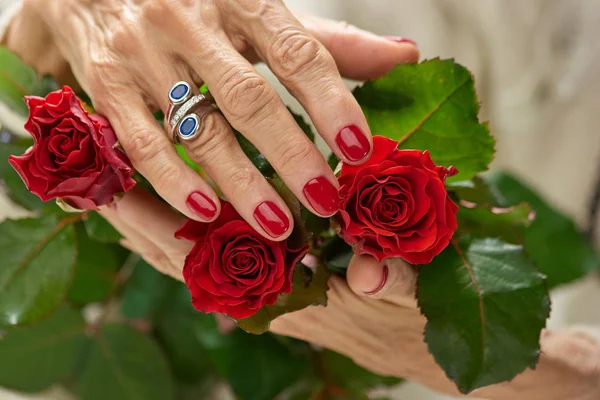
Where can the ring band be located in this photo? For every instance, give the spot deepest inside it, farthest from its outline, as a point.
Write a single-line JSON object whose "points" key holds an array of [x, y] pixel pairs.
{"points": [[186, 111]]}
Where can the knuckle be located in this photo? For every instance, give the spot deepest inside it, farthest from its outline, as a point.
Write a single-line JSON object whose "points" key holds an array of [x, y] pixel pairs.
{"points": [[296, 155], [128, 40], [296, 52], [164, 176], [142, 146], [161, 13], [214, 137], [157, 9], [105, 81], [242, 179], [247, 97]]}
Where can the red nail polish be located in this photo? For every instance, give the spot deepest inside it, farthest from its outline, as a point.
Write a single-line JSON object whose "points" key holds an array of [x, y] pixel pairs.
{"points": [[382, 284], [201, 205], [322, 196], [401, 40], [353, 143], [271, 219]]}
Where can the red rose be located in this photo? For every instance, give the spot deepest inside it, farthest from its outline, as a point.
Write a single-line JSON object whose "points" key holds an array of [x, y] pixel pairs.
{"points": [[74, 155], [396, 204], [234, 270]]}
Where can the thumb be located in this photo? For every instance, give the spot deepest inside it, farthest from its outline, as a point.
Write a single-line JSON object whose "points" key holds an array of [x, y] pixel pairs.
{"points": [[392, 279]]}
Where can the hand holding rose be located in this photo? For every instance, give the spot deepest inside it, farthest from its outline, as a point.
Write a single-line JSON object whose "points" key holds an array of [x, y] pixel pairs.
{"points": [[75, 156], [382, 330]]}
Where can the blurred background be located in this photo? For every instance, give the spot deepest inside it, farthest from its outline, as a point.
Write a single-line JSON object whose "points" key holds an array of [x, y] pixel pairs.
{"points": [[537, 68]]}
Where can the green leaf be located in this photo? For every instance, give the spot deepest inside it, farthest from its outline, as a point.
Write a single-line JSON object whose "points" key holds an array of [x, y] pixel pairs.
{"points": [[203, 390], [306, 128], [256, 367], [37, 267], [477, 191], [333, 161], [308, 289], [342, 373], [431, 106], [123, 364], [553, 241], [300, 235], [336, 254], [144, 292], [100, 229], [507, 224], [254, 155], [486, 305], [18, 80], [175, 330], [11, 181], [35, 358], [184, 156], [313, 223], [97, 268]]}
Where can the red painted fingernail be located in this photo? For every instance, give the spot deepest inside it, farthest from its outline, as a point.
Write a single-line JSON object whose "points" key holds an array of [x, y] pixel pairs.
{"points": [[201, 205], [272, 219], [382, 284], [401, 40], [353, 143], [322, 196]]}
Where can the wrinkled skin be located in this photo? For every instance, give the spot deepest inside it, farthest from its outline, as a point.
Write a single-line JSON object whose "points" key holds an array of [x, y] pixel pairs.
{"points": [[382, 330], [104, 59], [127, 54]]}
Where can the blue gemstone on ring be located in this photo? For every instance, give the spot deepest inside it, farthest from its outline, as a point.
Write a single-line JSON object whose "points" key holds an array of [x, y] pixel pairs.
{"points": [[188, 127], [179, 91]]}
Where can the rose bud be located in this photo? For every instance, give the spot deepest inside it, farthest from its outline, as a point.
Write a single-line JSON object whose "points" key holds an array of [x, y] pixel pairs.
{"points": [[234, 270], [74, 156], [396, 204]]}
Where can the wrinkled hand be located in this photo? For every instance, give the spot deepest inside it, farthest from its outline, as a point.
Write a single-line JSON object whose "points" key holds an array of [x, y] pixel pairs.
{"points": [[128, 54], [373, 317]]}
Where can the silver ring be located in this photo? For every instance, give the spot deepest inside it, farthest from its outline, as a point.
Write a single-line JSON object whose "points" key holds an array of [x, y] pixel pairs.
{"points": [[186, 111]]}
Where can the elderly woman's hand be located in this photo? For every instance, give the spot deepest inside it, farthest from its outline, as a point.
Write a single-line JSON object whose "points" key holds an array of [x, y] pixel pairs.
{"points": [[128, 54], [373, 317]]}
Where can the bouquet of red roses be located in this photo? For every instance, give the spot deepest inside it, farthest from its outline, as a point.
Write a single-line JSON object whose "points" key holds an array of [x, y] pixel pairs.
{"points": [[417, 198]]}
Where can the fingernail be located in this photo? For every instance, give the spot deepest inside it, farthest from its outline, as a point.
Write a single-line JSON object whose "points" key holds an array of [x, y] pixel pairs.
{"points": [[382, 284], [201, 205], [272, 219], [401, 40], [322, 196], [353, 143]]}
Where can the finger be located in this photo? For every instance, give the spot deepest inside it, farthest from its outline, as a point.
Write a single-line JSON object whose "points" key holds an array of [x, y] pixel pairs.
{"points": [[217, 151], [152, 154], [149, 226], [309, 72], [150, 217], [151, 253], [358, 54], [253, 107], [393, 279]]}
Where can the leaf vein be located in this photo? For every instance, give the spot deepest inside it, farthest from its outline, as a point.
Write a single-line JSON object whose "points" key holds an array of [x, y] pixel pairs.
{"points": [[39, 247], [479, 296], [430, 114], [117, 371]]}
